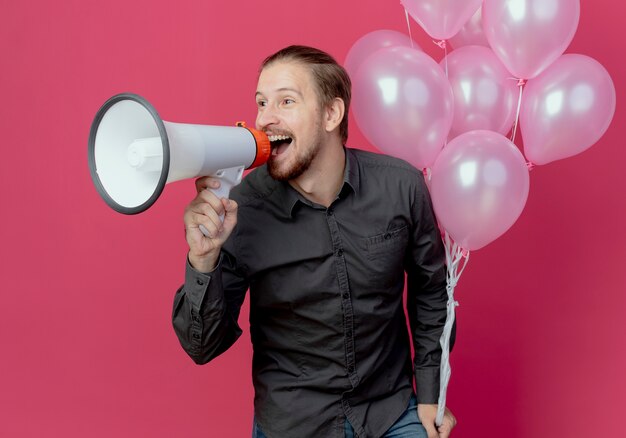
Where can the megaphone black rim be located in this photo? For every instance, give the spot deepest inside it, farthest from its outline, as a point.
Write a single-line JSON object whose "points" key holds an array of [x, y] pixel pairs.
{"points": [[92, 158]]}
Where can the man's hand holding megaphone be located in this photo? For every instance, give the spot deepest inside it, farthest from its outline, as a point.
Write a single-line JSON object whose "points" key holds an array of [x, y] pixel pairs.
{"points": [[207, 210]]}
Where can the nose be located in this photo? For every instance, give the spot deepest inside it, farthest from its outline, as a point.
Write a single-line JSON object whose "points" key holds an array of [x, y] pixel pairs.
{"points": [[265, 117]]}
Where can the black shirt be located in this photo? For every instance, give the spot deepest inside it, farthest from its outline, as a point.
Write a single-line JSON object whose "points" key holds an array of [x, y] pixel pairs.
{"points": [[327, 322]]}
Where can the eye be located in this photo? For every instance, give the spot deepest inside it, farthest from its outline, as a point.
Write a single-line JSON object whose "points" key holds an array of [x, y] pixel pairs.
{"points": [[261, 103], [288, 101]]}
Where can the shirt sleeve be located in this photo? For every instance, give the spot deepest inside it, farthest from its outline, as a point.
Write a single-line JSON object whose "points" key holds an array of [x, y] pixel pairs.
{"points": [[426, 294], [206, 309]]}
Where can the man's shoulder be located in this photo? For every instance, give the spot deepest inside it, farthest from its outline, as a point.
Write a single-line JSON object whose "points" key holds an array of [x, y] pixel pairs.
{"points": [[374, 161]]}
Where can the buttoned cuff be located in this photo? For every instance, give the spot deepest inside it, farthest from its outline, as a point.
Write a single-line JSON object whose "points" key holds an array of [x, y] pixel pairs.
{"points": [[200, 287], [427, 385]]}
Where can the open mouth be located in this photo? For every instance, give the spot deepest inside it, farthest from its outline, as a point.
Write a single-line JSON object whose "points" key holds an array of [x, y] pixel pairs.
{"points": [[279, 143]]}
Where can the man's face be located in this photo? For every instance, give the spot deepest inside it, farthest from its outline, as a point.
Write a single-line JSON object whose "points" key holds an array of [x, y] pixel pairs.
{"points": [[289, 112]]}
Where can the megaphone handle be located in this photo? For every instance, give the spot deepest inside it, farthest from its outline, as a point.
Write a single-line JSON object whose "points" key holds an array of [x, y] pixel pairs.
{"points": [[229, 178]]}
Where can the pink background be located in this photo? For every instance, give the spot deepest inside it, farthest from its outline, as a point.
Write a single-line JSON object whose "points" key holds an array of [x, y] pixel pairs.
{"points": [[86, 293]]}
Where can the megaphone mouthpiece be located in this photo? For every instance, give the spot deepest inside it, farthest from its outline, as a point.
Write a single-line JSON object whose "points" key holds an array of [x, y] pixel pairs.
{"points": [[264, 148]]}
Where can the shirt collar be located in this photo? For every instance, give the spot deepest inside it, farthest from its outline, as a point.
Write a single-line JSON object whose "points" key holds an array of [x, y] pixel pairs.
{"points": [[289, 198], [351, 175]]}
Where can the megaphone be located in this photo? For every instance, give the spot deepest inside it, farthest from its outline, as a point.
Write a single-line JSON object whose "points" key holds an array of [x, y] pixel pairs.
{"points": [[133, 153]]}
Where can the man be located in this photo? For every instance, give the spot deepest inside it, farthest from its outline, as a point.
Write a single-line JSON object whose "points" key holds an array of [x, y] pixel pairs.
{"points": [[322, 236]]}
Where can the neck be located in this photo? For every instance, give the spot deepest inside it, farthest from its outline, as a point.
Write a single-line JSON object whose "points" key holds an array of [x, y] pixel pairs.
{"points": [[323, 180]]}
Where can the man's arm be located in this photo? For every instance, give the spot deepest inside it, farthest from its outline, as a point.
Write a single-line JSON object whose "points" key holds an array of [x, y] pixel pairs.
{"points": [[426, 304], [206, 307], [205, 312], [426, 293]]}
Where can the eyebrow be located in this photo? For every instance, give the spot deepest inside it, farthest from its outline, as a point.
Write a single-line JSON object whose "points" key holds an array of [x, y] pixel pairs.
{"points": [[292, 90]]}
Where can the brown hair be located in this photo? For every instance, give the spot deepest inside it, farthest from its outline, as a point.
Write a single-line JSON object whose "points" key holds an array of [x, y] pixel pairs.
{"points": [[331, 78]]}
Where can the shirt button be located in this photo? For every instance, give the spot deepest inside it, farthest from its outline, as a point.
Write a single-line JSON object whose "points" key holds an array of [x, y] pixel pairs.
{"points": [[346, 296], [200, 282], [387, 236], [339, 252], [195, 318], [196, 335], [349, 333], [330, 211], [350, 368]]}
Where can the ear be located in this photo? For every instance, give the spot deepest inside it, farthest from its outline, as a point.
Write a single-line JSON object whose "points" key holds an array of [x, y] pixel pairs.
{"points": [[333, 114]]}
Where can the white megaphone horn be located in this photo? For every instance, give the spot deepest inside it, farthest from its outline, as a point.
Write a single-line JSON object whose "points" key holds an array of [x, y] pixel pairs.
{"points": [[133, 153]]}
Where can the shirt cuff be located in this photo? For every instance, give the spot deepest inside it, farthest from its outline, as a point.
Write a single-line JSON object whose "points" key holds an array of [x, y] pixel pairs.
{"points": [[200, 286], [427, 385]]}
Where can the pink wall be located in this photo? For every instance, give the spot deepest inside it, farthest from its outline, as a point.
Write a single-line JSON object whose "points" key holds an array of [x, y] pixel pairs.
{"points": [[87, 345]]}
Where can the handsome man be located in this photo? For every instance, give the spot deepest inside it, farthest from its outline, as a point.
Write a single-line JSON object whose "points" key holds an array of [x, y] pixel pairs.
{"points": [[322, 236]]}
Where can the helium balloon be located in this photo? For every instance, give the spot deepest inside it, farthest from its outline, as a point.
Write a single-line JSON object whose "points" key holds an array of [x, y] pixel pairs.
{"points": [[529, 35], [566, 109], [371, 42], [471, 34], [479, 187], [441, 19], [403, 104], [485, 97]]}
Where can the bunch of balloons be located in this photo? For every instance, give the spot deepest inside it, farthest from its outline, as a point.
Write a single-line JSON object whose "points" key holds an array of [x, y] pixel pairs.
{"points": [[452, 117]]}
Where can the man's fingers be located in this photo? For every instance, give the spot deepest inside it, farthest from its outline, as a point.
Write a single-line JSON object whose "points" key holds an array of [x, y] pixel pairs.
{"points": [[448, 424], [206, 182], [210, 212], [209, 205], [444, 430], [194, 220], [207, 209], [209, 197], [214, 214], [229, 205], [427, 414], [431, 430], [209, 220]]}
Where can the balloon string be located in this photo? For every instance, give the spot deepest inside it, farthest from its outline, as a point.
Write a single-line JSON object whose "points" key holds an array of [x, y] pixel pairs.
{"points": [[444, 46], [520, 84], [445, 56], [440, 43], [456, 260], [408, 25]]}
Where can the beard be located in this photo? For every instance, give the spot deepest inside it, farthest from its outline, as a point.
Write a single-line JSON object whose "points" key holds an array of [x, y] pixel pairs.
{"points": [[301, 163]]}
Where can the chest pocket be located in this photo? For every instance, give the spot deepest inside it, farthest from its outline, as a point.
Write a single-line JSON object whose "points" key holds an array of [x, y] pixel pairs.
{"points": [[385, 253], [388, 242]]}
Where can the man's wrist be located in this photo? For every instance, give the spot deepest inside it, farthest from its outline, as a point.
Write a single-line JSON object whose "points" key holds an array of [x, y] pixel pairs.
{"points": [[204, 264]]}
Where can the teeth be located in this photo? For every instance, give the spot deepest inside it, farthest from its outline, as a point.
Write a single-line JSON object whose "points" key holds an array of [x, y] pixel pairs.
{"points": [[278, 137]]}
